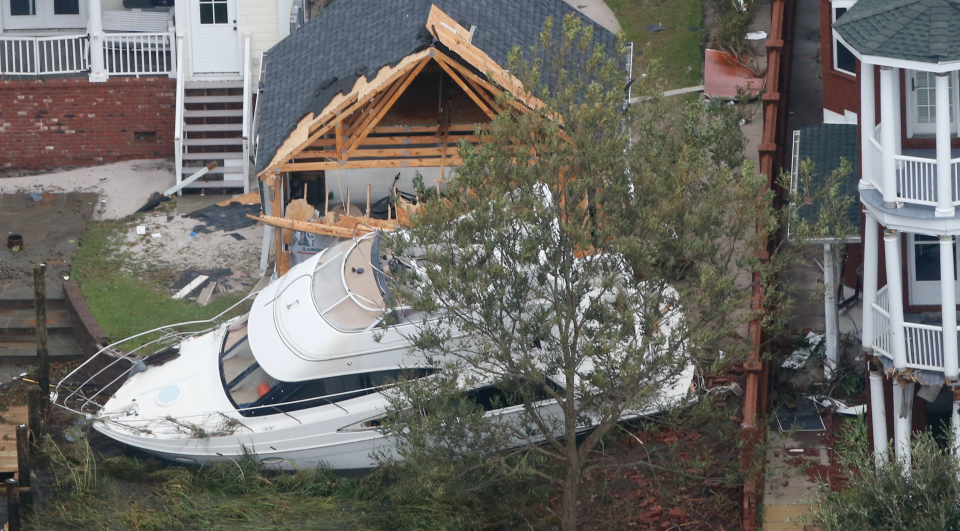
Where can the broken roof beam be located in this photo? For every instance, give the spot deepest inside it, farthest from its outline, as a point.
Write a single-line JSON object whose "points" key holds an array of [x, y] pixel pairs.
{"points": [[361, 164]]}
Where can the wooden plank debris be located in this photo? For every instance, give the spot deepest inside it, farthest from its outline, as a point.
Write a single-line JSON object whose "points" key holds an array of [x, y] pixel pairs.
{"points": [[190, 287], [206, 293]]}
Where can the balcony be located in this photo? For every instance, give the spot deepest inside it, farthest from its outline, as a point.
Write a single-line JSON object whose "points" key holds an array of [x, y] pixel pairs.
{"points": [[916, 177], [131, 42], [924, 342]]}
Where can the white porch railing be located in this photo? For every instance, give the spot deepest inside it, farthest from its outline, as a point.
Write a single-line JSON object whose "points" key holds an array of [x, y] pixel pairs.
{"points": [[178, 119], [136, 54], [924, 342], [246, 113], [34, 56], [916, 176]]}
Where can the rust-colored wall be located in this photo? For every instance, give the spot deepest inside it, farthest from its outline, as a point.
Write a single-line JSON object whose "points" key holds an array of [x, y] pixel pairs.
{"points": [[56, 123]]}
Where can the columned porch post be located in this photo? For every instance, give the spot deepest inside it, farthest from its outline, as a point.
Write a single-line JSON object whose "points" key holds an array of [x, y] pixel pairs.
{"points": [[888, 139], [898, 116], [891, 245], [944, 184], [98, 72], [868, 124], [948, 301], [878, 415], [903, 418], [871, 259], [831, 312]]}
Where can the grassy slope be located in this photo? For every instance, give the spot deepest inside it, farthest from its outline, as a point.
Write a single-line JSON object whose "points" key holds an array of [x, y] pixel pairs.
{"points": [[677, 47], [126, 303]]}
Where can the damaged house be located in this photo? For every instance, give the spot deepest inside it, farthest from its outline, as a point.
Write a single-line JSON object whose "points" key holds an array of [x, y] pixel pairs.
{"points": [[368, 94]]}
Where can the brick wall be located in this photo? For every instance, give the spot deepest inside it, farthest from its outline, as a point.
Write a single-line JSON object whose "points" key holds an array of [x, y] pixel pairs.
{"points": [[840, 91], [56, 123]]}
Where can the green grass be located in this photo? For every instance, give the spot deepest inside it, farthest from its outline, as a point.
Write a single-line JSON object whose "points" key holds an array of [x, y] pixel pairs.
{"points": [[676, 47], [125, 297], [146, 494]]}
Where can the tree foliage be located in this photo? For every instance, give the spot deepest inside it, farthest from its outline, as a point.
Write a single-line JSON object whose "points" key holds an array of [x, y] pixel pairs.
{"points": [[884, 498], [589, 253]]}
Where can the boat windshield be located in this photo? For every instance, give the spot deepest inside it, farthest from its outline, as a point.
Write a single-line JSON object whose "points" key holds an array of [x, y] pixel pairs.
{"points": [[345, 286], [243, 378]]}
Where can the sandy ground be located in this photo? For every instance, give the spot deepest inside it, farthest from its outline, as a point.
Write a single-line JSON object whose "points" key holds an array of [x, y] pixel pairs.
{"points": [[176, 248], [123, 187]]}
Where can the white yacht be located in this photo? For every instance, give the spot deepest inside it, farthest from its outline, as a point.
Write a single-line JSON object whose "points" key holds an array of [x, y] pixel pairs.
{"points": [[298, 382]]}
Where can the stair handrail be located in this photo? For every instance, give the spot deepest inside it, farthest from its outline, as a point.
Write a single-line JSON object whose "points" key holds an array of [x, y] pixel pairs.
{"points": [[246, 113], [178, 120]]}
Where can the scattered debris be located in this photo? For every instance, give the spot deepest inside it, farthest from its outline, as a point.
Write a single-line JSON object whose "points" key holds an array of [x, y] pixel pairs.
{"points": [[725, 76], [798, 359], [756, 35], [654, 28], [229, 218], [190, 287], [236, 236], [206, 293], [805, 417], [141, 230]]}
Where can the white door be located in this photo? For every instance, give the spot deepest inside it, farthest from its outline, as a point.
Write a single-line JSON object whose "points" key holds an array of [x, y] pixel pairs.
{"points": [[215, 39], [44, 14], [924, 269]]}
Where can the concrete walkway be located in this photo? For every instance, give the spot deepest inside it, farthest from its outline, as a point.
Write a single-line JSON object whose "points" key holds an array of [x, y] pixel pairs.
{"points": [[598, 11]]}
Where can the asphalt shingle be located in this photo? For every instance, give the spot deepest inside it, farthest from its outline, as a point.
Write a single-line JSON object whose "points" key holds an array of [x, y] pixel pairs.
{"points": [[915, 30], [353, 38], [825, 145]]}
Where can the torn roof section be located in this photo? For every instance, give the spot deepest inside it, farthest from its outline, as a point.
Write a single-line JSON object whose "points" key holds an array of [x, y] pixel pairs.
{"points": [[914, 30], [354, 39]]}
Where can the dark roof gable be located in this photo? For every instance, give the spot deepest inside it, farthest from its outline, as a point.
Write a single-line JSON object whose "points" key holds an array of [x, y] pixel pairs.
{"points": [[354, 38]]}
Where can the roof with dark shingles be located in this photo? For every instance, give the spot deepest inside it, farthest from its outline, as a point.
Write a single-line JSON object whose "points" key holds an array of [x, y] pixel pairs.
{"points": [[825, 145], [354, 38], [915, 30]]}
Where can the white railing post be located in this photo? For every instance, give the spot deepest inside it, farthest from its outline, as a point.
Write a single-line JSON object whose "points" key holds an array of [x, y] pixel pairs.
{"points": [[174, 60], [897, 117], [178, 113], [95, 28], [948, 301], [871, 259], [868, 121], [891, 244], [888, 141], [246, 113], [944, 184]]}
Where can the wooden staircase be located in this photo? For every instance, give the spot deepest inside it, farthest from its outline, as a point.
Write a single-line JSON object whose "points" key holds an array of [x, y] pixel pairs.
{"points": [[213, 116]]}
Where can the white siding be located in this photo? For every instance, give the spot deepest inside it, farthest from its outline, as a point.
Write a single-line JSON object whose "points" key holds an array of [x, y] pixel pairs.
{"points": [[259, 18]]}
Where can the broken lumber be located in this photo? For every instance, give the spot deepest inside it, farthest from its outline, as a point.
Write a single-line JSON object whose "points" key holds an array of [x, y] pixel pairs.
{"points": [[322, 229], [190, 287]]}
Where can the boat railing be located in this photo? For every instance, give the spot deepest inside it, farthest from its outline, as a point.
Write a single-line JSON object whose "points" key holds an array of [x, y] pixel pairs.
{"points": [[107, 363]]}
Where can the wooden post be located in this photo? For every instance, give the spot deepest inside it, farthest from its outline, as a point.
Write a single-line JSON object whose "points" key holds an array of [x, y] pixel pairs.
{"points": [[23, 455], [346, 206], [13, 505], [40, 302], [34, 412], [368, 200]]}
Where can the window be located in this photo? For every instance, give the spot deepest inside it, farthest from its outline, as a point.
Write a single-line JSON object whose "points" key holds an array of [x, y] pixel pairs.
{"points": [[843, 58], [213, 11], [924, 268], [66, 7], [250, 388], [21, 8], [494, 397], [921, 100]]}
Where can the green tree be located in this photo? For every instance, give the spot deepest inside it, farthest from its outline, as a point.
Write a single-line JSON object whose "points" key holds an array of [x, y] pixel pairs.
{"points": [[884, 498], [565, 262]]}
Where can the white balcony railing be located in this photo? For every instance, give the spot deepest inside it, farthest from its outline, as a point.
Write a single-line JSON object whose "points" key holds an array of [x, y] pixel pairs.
{"points": [[136, 54], [125, 54], [924, 342], [34, 56], [916, 176]]}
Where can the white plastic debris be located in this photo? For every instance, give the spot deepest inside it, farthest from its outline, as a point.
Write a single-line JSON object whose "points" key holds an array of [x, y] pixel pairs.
{"points": [[756, 35], [141, 230], [799, 357]]}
